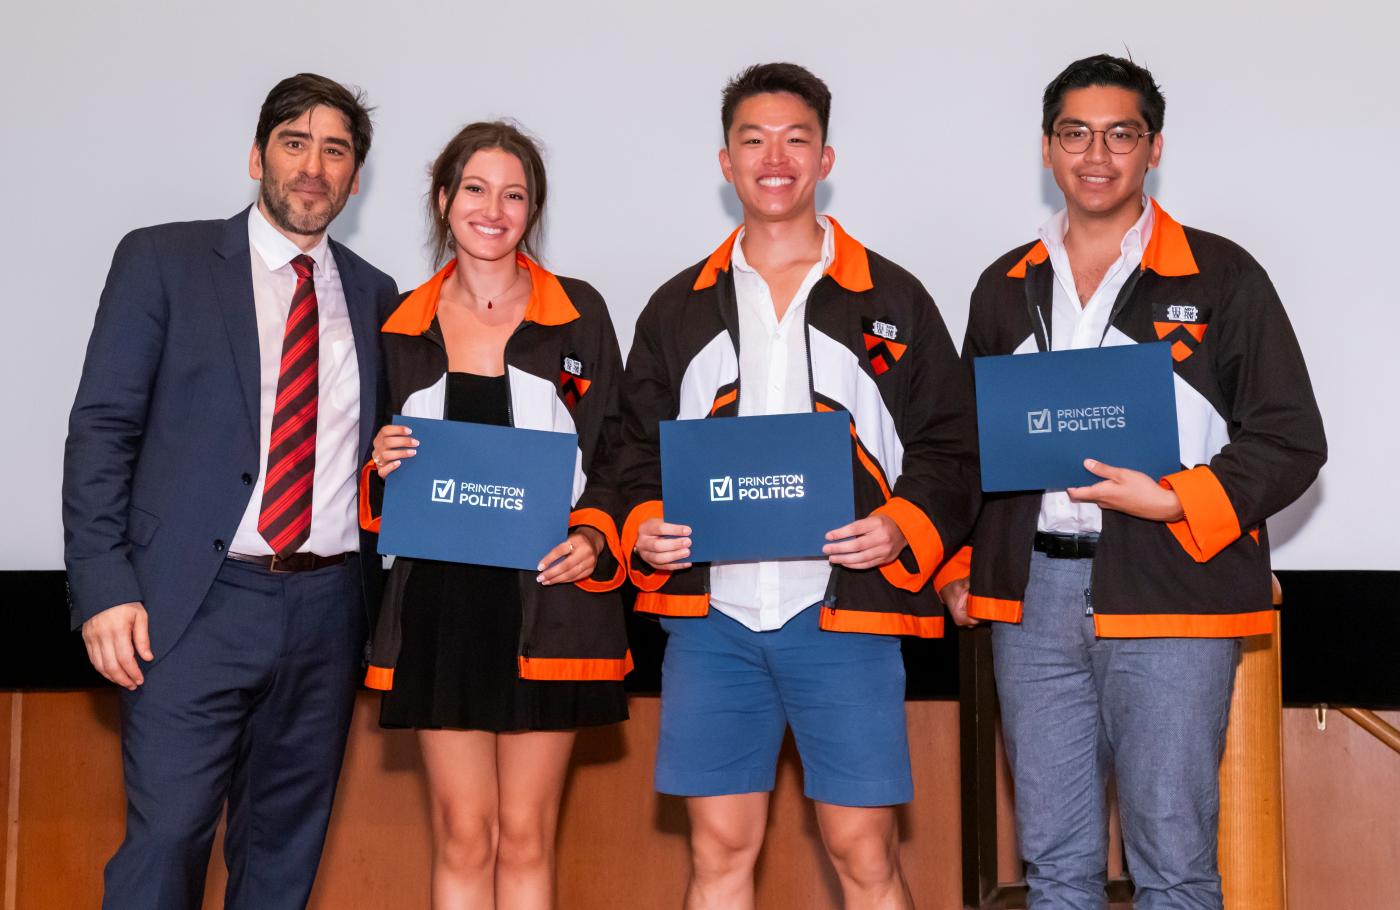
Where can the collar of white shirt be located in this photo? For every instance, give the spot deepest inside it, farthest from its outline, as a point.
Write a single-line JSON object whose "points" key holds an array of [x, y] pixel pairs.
{"points": [[1052, 234], [828, 248], [276, 250]]}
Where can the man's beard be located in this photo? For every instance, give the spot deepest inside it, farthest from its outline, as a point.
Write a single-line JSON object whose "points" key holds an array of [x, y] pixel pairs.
{"points": [[278, 204]]}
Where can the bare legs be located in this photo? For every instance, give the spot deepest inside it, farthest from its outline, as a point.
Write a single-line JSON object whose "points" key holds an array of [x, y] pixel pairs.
{"points": [[726, 834], [495, 809]]}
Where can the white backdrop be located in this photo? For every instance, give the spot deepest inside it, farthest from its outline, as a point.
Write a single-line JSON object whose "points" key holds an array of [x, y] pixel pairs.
{"points": [[1280, 134]]}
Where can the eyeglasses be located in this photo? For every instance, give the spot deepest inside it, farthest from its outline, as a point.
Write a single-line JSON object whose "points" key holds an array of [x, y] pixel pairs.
{"points": [[1120, 140]]}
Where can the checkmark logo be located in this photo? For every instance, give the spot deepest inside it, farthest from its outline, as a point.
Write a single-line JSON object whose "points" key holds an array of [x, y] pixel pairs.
{"points": [[1038, 421], [721, 489], [442, 490]]}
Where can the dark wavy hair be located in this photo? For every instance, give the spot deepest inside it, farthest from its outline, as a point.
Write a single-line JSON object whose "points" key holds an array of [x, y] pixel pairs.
{"points": [[296, 95], [445, 177], [1104, 69]]}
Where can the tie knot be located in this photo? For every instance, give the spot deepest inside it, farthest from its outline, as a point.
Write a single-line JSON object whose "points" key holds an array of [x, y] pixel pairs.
{"points": [[303, 265]]}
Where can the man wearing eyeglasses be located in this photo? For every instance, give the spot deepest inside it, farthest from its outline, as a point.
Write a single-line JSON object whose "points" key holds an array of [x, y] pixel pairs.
{"points": [[1118, 606]]}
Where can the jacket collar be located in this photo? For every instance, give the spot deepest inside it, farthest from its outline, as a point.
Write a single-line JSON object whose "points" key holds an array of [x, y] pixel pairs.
{"points": [[549, 303], [850, 263], [1168, 253]]}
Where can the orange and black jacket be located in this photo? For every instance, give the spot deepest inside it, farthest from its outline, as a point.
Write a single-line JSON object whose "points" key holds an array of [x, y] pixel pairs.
{"points": [[563, 368], [1250, 435], [877, 348]]}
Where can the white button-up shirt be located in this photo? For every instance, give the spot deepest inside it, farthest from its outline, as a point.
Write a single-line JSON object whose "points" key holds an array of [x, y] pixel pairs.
{"points": [[773, 379], [1074, 327], [334, 519]]}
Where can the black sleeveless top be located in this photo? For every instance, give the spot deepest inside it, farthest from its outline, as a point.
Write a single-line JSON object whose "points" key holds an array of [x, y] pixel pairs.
{"points": [[461, 632]]}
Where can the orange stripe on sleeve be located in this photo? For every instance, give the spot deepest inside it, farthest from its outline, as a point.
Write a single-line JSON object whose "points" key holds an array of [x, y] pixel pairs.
{"points": [[993, 608], [368, 520], [601, 522], [1184, 625], [381, 678], [922, 538], [1210, 523], [959, 565], [575, 668], [643, 579]]}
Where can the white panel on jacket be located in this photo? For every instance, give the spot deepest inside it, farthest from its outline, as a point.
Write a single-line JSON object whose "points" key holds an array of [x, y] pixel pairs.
{"points": [[429, 402], [837, 374], [535, 405], [716, 365]]}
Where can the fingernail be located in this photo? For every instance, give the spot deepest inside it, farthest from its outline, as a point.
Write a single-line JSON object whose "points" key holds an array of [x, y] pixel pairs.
{"points": [[540, 578], [1089, 463]]}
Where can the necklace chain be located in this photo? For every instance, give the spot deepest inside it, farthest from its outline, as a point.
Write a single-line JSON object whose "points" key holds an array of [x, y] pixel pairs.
{"points": [[492, 298]]}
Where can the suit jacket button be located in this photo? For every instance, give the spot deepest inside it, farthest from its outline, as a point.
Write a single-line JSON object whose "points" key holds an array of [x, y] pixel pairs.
{"points": [[247, 479], [218, 546]]}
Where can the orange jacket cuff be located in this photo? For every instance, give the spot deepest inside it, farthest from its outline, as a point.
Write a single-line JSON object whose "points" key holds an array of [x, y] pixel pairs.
{"points": [[1210, 523], [959, 565], [993, 608], [643, 580], [601, 522], [922, 538], [368, 520]]}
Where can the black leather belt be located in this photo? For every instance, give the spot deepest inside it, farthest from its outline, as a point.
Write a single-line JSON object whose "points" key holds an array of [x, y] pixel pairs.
{"points": [[297, 562], [1066, 546]]}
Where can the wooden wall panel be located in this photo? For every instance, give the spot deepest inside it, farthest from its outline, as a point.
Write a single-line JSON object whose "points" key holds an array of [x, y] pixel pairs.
{"points": [[1342, 814], [9, 734], [71, 805], [622, 846]]}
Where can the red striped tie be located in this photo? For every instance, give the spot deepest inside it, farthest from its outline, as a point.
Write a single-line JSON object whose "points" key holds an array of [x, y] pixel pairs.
{"points": [[285, 519]]}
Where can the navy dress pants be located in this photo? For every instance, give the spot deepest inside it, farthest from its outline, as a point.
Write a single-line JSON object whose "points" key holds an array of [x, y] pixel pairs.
{"points": [[251, 706]]}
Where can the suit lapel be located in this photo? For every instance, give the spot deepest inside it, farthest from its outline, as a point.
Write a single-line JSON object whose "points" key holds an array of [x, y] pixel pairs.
{"points": [[364, 325], [233, 283]]}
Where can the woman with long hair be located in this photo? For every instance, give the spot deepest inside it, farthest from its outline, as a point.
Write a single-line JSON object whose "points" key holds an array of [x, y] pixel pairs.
{"points": [[496, 668]]}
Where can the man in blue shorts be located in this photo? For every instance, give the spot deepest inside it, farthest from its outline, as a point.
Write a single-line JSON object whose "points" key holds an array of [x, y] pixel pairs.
{"points": [[790, 314]]}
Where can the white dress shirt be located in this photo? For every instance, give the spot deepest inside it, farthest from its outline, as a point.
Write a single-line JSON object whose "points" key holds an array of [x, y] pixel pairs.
{"points": [[773, 379], [1074, 327], [334, 519]]}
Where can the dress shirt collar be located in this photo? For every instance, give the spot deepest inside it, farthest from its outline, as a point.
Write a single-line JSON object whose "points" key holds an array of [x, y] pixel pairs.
{"points": [[828, 248], [276, 250], [1052, 234]]}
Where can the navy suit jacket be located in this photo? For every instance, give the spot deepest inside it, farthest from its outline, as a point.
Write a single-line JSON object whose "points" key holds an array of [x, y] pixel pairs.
{"points": [[163, 444]]}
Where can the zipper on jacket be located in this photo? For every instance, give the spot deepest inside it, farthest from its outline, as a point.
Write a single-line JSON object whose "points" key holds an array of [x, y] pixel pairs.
{"points": [[522, 643], [1121, 301], [1038, 327]]}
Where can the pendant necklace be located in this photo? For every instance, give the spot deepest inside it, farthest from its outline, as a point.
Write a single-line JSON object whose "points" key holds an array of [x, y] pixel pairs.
{"points": [[491, 301]]}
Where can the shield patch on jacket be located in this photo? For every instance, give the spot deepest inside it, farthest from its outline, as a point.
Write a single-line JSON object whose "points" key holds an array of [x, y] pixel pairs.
{"points": [[882, 345], [572, 384], [1183, 324]]}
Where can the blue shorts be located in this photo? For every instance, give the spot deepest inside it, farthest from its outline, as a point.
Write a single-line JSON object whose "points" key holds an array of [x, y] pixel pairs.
{"points": [[728, 693]]}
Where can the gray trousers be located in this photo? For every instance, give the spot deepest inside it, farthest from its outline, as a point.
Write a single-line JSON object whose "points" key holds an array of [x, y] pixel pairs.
{"points": [[1074, 707]]}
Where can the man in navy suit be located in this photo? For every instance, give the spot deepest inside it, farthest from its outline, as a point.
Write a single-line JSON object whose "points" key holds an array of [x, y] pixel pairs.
{"points": [[210, 513]]}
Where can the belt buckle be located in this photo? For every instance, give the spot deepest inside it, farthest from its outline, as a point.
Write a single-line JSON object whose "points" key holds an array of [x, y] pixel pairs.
{"points": [[272, 566]]}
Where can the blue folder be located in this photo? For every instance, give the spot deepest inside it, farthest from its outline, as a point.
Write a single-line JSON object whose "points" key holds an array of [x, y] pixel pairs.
{"points": [[494, 496], [754, 488], [1040, 415]]}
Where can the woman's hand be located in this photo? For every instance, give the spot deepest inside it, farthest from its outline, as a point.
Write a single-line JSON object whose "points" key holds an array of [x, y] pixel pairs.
{"points": [[391, 445], [573, 559]]}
